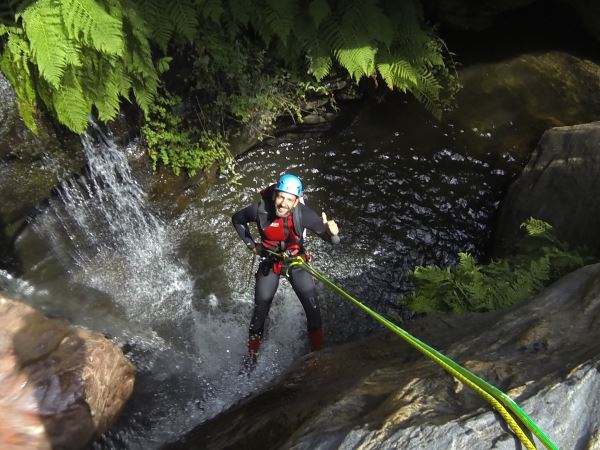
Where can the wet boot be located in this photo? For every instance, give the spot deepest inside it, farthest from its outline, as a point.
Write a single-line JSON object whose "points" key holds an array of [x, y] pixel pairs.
{"points": [[316, 339], [250, 359]]}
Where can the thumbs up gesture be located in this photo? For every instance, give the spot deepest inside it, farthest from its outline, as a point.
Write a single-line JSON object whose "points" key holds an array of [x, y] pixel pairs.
{"points": [[330, 225]]}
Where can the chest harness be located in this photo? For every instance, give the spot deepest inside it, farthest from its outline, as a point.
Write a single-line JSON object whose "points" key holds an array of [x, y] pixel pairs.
{"points": [[279, 234]]}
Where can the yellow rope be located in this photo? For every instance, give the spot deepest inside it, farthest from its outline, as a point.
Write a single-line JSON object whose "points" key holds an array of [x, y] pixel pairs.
{"points": [[512, 423]]}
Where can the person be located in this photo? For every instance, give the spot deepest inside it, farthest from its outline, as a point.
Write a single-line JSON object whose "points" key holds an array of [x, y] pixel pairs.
{"points": [[281, 218]]}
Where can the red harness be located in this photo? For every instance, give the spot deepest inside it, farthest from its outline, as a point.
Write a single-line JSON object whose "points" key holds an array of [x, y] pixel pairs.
{"points": [[281, 236]]}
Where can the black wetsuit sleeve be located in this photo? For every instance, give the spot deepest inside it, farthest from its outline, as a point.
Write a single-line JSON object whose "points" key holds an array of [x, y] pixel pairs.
{"points": [[313, 222], [240, 221]]}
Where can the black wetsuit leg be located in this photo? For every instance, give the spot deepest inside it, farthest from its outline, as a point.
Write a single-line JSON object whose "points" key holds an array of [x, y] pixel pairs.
{"points": [[264, 291], [304, 287]]}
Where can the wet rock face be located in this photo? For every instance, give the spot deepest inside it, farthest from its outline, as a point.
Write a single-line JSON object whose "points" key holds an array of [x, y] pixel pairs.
{"points": [[59, 385], [9, 114], [513, 102], [560, 186], [30, 165], [379, 393]]}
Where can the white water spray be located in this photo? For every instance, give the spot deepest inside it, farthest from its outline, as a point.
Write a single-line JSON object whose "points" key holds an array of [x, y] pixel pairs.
{"points": [[106, 238]]}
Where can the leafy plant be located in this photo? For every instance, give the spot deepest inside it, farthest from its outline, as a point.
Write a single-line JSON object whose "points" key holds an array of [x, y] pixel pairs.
{"points": [[539, 259], [171, 144], [241, 62], [84, 56]]}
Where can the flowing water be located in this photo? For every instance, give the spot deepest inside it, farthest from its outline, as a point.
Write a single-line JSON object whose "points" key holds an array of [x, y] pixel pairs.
{"points": [[177, 294]]}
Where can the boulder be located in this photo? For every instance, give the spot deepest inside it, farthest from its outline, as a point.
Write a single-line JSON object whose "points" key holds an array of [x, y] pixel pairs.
{"points": [[560, 186], [380, 393], [510, 103], [59, 385]]}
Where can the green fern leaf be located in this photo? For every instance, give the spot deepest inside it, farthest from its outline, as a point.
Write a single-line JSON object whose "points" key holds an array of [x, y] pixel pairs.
{"points": [[330, 33], [279, 16], [375, 19], [319, 60], [320, 66], [123, 82], [212, 9], [241, 11], [398, 74], [50, 46], [163, 64], [536, 227], [101, 80], [23, 86], [358, 62], [318, 10], [86, 20], [17, 48], [150, 15], [71, 105], [73, 54], [183, 18], [144, 95]]}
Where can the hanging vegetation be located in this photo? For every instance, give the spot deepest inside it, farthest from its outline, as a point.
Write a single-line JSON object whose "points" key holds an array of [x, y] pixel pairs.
{"points": [[82, 57]]}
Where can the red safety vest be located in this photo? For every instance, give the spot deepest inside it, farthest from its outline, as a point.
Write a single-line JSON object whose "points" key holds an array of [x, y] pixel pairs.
{"points": [[283, 233]]}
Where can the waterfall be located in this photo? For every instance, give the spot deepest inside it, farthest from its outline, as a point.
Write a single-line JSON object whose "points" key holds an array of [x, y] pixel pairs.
{"points": [[105, 237]]}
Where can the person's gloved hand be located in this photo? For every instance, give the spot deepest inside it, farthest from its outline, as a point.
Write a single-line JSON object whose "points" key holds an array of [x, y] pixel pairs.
{"points": [[330, 225], [257, 249]]}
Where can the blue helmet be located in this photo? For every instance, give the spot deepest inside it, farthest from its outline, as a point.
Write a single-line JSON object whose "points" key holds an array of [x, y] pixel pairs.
{"points": [[290, 184]]}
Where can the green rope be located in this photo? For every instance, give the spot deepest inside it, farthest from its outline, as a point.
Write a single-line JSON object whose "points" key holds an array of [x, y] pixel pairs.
{"points": [[476, 383]]}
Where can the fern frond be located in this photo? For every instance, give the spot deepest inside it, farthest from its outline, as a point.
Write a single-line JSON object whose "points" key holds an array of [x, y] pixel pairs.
{"points": [[213, 9], [42, 23], [363, 23], [18, 50], [397, 74], [319, 60], [71, 105], [101, 79], [279, 16], [536, 227], [375, 19], [87, 21], [73, 54], [183, 18], [320, 66], [330, 33], [358, 62], [241, 12], [23, 86], [149, 14], [144, 95], [318, 10], [123, 82]]}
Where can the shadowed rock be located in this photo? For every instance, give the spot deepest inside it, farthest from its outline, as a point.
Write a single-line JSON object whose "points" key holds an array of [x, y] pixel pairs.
{"points": [[560, 186]]}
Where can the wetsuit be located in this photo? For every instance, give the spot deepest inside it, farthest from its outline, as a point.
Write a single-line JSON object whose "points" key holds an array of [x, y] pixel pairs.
{"points": [[267, 276]]}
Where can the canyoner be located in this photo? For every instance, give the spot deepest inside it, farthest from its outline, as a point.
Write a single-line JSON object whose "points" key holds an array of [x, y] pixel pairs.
{"points": [[519, 422], [282, 218]]}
